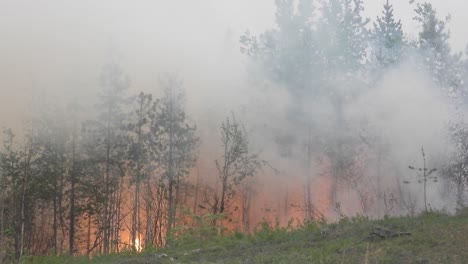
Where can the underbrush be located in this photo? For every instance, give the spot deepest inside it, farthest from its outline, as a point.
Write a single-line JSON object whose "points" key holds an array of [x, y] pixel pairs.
{"points": [[430, 237]]}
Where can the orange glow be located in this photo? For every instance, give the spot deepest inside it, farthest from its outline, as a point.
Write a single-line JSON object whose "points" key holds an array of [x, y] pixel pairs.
{"points": [[138, 246], [321, 194]]}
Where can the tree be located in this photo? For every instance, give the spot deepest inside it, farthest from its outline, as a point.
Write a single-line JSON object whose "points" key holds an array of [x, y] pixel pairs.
{"points": [[51, 138], [236, 163], [9, 161], [314, 60], [456, 167], [435, 48], [73, 181], [288, 53], [425, 176], [20, 165], [346, 37], [176, 142], [107, 136], [139, 157], [387, 38]]}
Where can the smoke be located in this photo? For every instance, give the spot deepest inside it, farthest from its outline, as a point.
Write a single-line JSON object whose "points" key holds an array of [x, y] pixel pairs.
{"points": [[56, 53], [406, 110]]}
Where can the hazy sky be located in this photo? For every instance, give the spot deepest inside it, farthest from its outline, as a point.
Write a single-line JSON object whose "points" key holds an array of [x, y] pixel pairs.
{"points": [[48, 46]]}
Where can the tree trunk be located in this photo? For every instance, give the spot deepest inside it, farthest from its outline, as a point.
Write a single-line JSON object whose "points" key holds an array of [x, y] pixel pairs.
{"points": [[88, 237], [171, 217], [225, 168], [149, 218], [54, 225], [72, 196], [106, 218], [2, 237], [136, 202], [460, 187], [197, 186], [23, 199], [309, 207]]}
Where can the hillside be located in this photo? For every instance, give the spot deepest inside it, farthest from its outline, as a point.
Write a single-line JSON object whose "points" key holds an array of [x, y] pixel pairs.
{"points": [[427, 238]]}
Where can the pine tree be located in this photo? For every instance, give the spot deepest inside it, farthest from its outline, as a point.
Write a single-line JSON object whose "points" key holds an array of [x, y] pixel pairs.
{"points": [[435, 48], [388, 38], [107, 139], [287, 53], [176, 142], [139, 157], [346, 37], [10, 172]]}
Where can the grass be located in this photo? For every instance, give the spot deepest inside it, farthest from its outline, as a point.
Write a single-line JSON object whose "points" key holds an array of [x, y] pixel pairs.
{"points": [[435, 238]]}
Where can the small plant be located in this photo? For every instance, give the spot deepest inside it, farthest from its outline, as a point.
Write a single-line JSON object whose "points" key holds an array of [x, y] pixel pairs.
{"points": [[424, 175]]}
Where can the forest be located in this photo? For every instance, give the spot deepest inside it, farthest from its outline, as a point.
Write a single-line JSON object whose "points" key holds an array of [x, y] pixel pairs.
{"points": [[341, 115]]}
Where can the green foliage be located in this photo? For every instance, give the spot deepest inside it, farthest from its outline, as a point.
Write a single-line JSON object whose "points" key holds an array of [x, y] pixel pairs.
{"points": [[196, 229], [236, 163], [435, 236], [387, 37]]}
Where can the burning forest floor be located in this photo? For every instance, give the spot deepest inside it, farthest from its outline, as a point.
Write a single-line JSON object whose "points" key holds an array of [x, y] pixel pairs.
{"points": [[427, 238]]}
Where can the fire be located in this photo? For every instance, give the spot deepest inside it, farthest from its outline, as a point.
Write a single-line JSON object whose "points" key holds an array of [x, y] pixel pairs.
{"points": [[321, 194], [138, 246]]}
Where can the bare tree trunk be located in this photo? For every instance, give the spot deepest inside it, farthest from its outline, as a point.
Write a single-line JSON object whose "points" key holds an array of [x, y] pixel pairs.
{"points": [[88, 237], [177, 195], [225, 170], [136, 224], [379, 183], [425, 180], [460, 189], [23, 198], [135, 214], [148, 224], [246, 202], [119, 215], [159, 218], [106, 218], [309, 207], [2, 237], [148, 214], [72, 194], [60, 193], [171, 217], [286, 204], [55, 225], [197, 186]]}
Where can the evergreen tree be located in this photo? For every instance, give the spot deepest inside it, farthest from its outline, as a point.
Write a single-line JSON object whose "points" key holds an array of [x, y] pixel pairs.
{"points": [[387, 38], [435, 48], [107, 136], [176, 142], [288, 53], [10, 172], [139, 157], [344, 34], [456, 167]]}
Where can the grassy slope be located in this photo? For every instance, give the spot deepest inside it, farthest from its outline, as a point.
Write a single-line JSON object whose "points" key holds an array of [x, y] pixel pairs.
{"points": [[435, 238]]}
